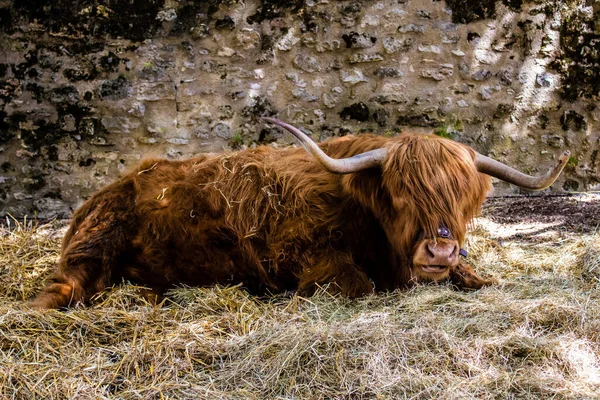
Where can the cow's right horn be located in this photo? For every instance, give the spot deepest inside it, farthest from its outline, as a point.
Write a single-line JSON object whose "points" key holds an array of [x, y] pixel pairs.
{"points": [[508, 174], [369, 159]]}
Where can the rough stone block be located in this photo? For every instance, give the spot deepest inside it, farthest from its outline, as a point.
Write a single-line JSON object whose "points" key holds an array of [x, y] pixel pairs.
{"points": [[155, 91]]}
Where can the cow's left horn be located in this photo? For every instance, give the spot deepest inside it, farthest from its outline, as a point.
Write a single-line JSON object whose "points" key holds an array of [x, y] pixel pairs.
{"points": [[369, 159], [508, 174]]}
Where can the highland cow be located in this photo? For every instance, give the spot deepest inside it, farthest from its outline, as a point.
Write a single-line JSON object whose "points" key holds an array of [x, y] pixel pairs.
{"points": [[371, 214]]}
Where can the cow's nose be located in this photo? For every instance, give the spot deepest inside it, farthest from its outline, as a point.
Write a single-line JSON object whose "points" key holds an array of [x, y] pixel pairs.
{"points": [[439, 253]]}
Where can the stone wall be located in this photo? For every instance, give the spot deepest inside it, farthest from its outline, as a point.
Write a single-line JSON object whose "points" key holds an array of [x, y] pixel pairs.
{"points": [[87, 89]]}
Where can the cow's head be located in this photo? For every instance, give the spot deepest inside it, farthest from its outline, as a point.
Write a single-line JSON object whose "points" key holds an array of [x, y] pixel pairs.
{"points": [[435, 186]]}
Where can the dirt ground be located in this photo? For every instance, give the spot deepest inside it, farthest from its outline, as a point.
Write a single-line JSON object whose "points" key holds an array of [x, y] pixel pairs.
{"points": [[567, 214]]}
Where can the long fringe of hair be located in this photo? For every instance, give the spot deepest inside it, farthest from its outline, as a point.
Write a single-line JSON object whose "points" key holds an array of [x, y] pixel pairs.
{"points": [[438, 184]]}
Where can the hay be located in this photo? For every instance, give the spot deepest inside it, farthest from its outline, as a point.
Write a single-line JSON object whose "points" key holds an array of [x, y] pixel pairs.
{"points": [[535, 335]]}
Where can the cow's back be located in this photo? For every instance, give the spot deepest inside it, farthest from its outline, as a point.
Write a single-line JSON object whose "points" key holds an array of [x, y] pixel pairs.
{"points": [[227, 218]]}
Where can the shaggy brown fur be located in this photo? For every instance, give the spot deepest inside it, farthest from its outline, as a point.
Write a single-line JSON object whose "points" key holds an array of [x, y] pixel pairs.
{"points": [[274, 220]]}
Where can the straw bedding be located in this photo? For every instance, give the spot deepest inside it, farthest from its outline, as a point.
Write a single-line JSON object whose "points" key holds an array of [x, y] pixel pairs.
{"points": [[535, 335]]}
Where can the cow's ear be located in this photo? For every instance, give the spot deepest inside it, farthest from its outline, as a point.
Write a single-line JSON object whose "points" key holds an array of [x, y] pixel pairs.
{"points": [[368, 189], [464, 277]]}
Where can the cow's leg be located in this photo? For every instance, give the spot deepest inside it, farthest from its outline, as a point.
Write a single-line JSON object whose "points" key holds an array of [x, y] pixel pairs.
{"points": [[464, 277], [92, 247], [337, 270]]}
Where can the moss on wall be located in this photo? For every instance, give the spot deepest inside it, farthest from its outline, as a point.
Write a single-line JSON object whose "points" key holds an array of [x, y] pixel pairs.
{"points": [[579, 59], [466, 11]]}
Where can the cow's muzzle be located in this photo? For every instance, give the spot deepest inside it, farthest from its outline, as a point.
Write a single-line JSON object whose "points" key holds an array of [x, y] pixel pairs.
{"points": [[434, 258], [436, 255], [440, 254]]}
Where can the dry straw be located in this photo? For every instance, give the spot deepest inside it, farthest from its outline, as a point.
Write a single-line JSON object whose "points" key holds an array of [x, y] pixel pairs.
{"points": [[535, 335]]}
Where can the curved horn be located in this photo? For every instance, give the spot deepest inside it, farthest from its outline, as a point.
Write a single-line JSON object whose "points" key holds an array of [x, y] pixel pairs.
{"points": [[508, 174], [369, 159]]}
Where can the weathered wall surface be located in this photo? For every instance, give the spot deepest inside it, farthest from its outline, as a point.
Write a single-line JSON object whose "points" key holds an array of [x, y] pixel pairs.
{"points": [[87, 89]]}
